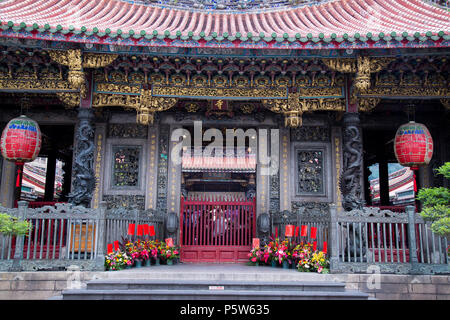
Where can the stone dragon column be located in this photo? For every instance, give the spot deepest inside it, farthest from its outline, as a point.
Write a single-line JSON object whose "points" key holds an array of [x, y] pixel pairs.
{"points": [[350, 182]]}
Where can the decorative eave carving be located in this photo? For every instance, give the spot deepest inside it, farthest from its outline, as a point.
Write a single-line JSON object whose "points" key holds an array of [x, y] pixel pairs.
{"points": [[446, 103], [145, 104], [98, 60], [366, 66], [70, 99], [368, 104], [362, 66], [294, 107], [343, 65], [75, 60], [149, 105]]}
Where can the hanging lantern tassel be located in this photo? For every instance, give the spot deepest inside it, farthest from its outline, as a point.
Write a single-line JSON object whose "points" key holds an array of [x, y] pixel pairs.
{"points": [[19, 171], [414, 179]]}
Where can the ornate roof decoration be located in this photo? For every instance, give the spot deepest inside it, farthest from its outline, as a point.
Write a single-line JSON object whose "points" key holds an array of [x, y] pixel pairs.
{"points": [[229, 5], [333, 24]]}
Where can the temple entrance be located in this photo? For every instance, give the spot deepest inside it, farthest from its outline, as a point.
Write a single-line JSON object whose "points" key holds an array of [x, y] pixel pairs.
{"points": [[217, 209], [216, 229]]}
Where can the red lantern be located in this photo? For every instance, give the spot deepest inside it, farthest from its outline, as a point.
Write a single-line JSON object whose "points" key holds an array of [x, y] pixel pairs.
{"points": [[21, 142], [413, 145]]}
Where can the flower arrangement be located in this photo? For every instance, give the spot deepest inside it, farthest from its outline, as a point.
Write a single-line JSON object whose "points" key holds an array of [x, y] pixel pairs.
{"points": [[281, 253], [300, 255], [139, 250], [171, 253], [117, 260], [255, 255]]}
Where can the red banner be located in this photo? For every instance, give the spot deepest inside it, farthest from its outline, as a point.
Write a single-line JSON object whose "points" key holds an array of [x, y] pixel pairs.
{"points": [[140, 230], [116, 245], [110, 248], [289, 232], [325, 247], [131, 227], [313, 232], [297, 229], [151, 231], [169, 242], [145, 229], [304, 231], [255, 243], [314, 245]]}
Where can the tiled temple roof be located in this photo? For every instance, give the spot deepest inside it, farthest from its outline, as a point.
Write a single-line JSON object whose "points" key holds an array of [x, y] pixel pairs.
{"points": [[358, 20]]}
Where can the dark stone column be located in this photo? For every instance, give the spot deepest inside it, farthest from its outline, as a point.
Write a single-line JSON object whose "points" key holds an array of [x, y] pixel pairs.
{"points": [[84, 180], [384, 181], [50, 177], [350, 182]]}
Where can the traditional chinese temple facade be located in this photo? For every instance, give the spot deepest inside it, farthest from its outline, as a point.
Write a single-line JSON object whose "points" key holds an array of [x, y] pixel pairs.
{"points": [[109, 81]]}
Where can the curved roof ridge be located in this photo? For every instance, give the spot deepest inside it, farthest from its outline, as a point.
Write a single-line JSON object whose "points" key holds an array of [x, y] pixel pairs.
{"points": [[336, 19]]}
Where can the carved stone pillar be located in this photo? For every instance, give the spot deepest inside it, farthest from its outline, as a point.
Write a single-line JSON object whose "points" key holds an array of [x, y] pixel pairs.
{"points": [[83, 183], [350, 180]]}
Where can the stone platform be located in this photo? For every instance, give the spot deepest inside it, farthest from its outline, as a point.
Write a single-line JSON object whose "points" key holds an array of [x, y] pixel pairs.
{"points": [[50, 284]]}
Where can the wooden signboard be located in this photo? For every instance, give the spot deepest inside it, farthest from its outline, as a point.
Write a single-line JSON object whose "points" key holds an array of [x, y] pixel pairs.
{"points": [[81, 246]]}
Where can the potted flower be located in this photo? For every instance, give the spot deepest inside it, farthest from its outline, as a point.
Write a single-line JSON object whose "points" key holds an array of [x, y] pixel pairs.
{"points": [[281, 254], [117, 260], [171, 253], [153, 251], [161, 252], [319, 262], [255, 256]]}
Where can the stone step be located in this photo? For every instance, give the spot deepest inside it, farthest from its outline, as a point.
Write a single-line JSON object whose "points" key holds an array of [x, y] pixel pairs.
{"points": [[134, 294], [155, 284]]}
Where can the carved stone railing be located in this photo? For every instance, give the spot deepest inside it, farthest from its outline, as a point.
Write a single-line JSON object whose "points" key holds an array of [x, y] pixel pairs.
{"points": [[117, 221], [65, 235], [392, 242], [307, 214]]}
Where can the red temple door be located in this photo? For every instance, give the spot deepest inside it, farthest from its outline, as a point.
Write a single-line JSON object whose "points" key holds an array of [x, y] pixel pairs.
{"points": [[216, 230]]}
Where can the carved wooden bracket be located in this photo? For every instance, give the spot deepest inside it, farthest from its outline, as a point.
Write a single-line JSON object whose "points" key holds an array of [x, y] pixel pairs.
{"points": [[294, 107], [76, 60], [446, 103], [368, 104], [145, 104], [149, 104], [362, 66]]}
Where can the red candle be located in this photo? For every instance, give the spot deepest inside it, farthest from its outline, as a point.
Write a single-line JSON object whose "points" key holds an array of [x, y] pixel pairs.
{"points": [[110, 248], [304, 231], [131, 227], [324, 247], [116, 245], [313, 232], [314, 245]]}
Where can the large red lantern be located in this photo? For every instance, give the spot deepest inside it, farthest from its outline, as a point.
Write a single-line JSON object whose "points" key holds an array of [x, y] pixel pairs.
{"points": [[21, 141], [413, 145]]}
